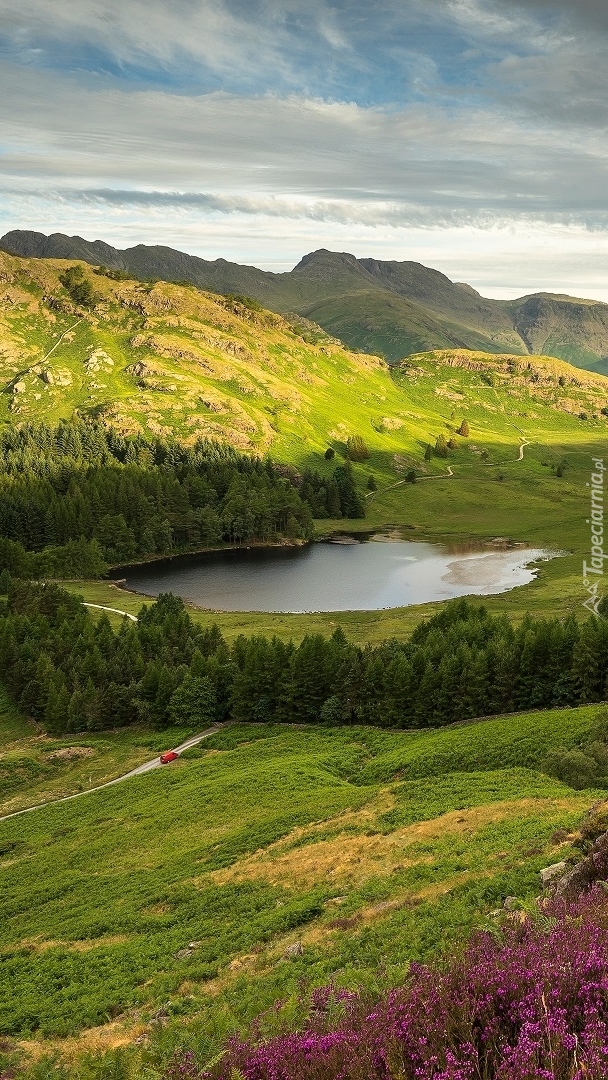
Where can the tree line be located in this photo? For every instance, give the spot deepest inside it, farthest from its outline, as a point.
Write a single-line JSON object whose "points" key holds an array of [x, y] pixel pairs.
{"points": [[72, 672], [77, 497]]}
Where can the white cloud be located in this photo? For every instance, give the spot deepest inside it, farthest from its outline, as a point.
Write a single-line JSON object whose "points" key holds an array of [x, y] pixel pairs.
{"points": [[509, 151], [298, 157]]}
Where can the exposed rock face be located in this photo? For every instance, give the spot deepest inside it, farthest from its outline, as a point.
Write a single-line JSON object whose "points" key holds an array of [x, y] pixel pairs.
{"points": [[140, 370], [61, 377], [294, 951], [99, 361], [593, 868]]}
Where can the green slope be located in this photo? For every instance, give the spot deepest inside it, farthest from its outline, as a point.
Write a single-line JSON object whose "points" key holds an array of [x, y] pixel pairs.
{"points": [[189, 884], [377, 321], [385, 307], [167, 358], [563, 326]]}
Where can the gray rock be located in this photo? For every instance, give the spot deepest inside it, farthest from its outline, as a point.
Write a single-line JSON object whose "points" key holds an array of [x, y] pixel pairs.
{"points": [[589, 871], [19, 388], [293, 951], [161, 1015], [511, 903], [552, 873]]}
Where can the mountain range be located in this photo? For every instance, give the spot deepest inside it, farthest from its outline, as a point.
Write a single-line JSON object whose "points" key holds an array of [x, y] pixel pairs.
{"points": [[389, 308]]}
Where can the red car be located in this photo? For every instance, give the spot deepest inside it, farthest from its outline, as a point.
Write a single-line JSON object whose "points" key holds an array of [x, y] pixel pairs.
{"points": [[169, 755]]}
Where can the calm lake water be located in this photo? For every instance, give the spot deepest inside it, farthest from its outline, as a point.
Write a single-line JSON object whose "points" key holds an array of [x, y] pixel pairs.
{"points": [[335, 576]]}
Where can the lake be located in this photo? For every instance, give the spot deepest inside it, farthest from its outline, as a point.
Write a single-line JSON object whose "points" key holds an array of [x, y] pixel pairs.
{"points": [[336, 576]]}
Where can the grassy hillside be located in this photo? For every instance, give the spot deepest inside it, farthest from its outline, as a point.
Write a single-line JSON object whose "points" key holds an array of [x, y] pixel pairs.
{"points": [[168, 359], [165, 358], [203, 878], [563, 326], [377, 321], [37, 768], [390, 308]]}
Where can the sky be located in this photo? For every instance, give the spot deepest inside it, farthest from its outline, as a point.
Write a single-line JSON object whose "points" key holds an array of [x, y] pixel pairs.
{"points": [[470, 135]]}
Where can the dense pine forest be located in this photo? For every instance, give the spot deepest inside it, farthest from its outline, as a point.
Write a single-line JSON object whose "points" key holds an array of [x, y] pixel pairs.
{"points": [[73, 673], [78, 497]]}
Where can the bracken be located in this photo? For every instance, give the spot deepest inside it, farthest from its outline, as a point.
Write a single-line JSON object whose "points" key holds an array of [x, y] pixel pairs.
{"points": [[528, 1004]]}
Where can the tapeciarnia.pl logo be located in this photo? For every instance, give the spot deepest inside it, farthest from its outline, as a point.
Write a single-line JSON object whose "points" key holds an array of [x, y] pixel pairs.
{"points": [[594, 571]]}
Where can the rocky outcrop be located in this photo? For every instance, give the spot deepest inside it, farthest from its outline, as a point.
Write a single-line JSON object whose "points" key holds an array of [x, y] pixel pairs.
{"points": [[568, 883]]}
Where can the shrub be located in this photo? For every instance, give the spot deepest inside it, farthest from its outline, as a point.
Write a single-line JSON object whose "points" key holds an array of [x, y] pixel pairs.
{"points": [[356, 448], [572, 767]]}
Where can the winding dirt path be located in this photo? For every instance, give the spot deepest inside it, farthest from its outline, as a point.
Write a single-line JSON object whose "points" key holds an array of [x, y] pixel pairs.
{"points": [[450, 471], [59, 340], [114, 610]]}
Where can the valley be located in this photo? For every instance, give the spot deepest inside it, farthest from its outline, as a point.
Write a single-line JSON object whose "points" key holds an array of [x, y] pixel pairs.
{"points": [[341, 825], [161, 360], [303, 601]]}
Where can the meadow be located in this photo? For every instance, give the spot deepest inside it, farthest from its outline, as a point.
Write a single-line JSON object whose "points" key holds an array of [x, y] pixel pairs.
{"points": [[37, 768], [185, 890]]}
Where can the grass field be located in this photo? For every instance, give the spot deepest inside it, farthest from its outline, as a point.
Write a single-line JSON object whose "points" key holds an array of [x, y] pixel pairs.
{"points": [[187, 886], [37, 768]]}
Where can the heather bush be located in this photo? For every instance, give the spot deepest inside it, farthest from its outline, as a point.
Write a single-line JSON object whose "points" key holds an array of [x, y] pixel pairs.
{"points": [[527, 1003]]}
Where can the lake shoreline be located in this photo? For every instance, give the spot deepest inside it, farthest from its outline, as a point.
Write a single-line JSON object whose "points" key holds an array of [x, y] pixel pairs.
{"points": [[336, 575]]}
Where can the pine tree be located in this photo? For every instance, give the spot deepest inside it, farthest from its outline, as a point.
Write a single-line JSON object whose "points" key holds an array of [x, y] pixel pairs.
{"points": [[441, 447], [57, 706]]}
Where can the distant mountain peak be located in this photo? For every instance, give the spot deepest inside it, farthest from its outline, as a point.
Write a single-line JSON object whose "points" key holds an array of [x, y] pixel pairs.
{"points": [[467, 288], [386, 307], [324, 255]]}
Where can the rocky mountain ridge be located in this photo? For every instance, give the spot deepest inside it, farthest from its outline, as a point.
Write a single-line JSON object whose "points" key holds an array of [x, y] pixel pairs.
{"points": [[389, 308]]}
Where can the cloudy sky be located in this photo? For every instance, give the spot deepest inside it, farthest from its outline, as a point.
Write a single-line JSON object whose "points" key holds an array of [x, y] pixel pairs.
{"points": [[470, 135]]}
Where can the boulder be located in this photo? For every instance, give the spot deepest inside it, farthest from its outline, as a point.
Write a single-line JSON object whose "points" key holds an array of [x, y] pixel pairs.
{"points": [[293, 951], [551, 873]]}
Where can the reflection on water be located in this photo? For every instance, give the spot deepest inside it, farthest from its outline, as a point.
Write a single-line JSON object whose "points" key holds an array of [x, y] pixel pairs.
{"points": [[336, 577]]}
